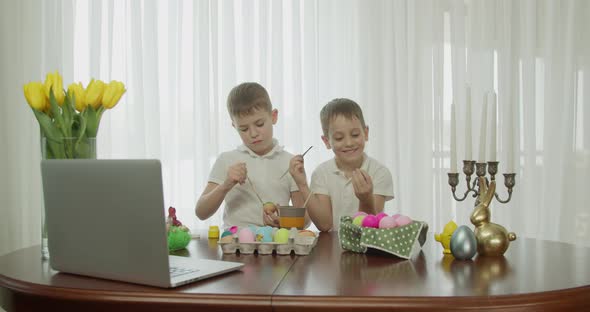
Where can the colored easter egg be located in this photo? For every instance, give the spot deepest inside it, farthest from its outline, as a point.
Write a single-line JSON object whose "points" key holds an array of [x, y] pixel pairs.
{"points": [[226, 233], [403, 220], [463, 243], [282, 236], [370, 221], [246, 236], [253, 228], [264, 234], [381, 215], [387, 222], [306, 233], [233, 229], [269, 207], [358, 220], [226, 239], [358, 213]]}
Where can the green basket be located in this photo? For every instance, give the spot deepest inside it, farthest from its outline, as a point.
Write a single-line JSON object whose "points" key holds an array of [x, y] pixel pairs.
{"points": [[401, 241]]}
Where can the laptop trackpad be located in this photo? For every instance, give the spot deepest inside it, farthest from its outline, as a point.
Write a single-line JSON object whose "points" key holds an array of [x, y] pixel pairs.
{"points": [[191, 269]]}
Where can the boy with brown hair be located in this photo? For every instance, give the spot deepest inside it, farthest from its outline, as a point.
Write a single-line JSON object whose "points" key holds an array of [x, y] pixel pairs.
{"points": [[351, 181], [260, 160]]}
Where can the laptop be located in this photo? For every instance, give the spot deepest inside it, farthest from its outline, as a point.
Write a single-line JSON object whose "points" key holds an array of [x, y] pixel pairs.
{"points": [[106, 218]]}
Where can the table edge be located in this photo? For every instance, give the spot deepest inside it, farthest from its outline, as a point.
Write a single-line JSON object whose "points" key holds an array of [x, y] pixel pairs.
{"points": [[558, 300], [141, 296]]}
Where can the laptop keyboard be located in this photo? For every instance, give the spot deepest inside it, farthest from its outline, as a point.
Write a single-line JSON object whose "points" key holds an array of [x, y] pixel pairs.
{"points": [[177, 271]]}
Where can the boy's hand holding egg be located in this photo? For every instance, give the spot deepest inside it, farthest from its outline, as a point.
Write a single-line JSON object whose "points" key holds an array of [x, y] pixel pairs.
{"points": [[362, 185], [269, 215]]}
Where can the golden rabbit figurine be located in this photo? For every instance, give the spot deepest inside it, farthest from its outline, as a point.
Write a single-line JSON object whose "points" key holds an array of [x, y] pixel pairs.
{"points": [[492, 239]]}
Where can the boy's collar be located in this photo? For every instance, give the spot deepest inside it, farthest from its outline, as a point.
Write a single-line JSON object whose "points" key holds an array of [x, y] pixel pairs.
{"points": [[334, 168], [276, 148]]}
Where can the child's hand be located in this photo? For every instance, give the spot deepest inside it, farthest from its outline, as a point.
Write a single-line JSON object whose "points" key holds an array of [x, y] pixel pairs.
{"points": [[237, 173], [362, 184], [271, 218], [297, 170]]}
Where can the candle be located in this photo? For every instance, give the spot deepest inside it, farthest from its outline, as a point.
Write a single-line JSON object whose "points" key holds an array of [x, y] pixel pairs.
{"points": [[482, 132], [510, 140], [468, 123], [492, 155], [453, 140]]}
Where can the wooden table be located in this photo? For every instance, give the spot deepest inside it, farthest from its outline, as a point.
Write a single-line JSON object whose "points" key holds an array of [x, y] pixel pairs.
{"points": [[532, 275]]}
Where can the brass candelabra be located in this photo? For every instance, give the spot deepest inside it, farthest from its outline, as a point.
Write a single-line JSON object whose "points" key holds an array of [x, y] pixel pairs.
{"points": [[492, 239]]}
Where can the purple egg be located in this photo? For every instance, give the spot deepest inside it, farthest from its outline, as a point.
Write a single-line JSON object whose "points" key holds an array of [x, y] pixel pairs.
{"points": [[359, 213], [381, 215], [387, 222], [371, 221], [403, 220]]}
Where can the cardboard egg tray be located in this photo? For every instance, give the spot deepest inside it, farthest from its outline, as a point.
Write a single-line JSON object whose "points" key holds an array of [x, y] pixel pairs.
{"points": [[300, 245]]}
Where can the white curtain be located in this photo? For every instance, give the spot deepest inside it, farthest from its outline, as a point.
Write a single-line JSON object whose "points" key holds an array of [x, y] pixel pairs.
{"points": [[404, 62]]}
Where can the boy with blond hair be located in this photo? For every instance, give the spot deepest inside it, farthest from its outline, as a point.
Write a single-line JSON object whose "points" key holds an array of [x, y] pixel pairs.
{"points": [[253, 168], [351, 181]]}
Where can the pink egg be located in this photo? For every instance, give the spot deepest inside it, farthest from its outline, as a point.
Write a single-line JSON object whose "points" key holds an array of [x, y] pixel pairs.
{"points": [[387, 222], [246, 236], [397, 215], [381, 215], [359, 213], [371, 221], [403, 220], [233, 229]]}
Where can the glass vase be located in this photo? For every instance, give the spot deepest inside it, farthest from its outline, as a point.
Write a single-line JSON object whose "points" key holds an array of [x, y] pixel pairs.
{"points": [[65, 148]]}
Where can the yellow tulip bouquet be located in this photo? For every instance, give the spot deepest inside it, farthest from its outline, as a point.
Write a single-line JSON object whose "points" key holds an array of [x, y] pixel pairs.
{"points": [[69, 119]]}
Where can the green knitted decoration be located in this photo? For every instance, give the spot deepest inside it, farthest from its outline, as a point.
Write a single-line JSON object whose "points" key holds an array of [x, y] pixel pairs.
{"points": [[177, 238]]}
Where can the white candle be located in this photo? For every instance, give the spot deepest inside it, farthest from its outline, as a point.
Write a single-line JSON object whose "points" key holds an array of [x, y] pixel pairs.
{"points": [[510, 140], [482, 132], [492, 155], [453, 140], [468, 123]]}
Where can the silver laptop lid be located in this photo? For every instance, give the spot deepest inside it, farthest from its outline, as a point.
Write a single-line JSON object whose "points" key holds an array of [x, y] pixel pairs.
{"points": [[105, 218]]}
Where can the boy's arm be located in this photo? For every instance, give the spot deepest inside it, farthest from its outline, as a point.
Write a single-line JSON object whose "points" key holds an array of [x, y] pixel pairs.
{"points": [[210, 200], [214, 193], [377, 205], [319, 209], [363, 189]]}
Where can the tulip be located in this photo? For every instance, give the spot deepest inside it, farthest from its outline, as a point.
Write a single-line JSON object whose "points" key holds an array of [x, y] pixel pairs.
{"points": [[77, 89], [35, 95], [54, 81], [112, 93], [94, 93]]}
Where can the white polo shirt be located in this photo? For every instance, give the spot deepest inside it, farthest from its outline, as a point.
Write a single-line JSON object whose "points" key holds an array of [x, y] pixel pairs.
{"points": [[242, 207], [327, 179]]}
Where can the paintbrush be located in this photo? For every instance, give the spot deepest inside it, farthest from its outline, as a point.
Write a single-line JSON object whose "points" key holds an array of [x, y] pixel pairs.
{"points": [[301, 156], [255, 192]]}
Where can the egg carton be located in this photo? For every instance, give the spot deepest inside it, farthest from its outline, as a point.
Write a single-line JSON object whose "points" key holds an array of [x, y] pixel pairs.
{"points": [[300, 245]]}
